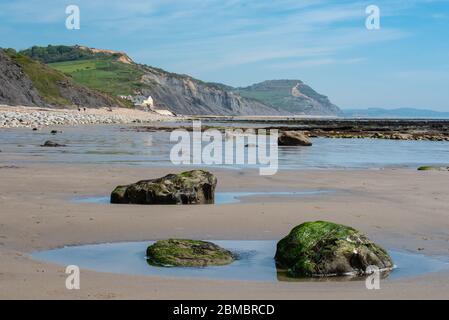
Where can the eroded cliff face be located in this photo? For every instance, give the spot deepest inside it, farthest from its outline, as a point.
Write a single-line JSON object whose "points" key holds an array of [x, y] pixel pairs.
{"points": [[185, 95], [16, 87]]}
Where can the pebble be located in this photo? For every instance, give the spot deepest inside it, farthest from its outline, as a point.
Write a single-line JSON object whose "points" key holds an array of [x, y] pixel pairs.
{"points": [[38, 119]]}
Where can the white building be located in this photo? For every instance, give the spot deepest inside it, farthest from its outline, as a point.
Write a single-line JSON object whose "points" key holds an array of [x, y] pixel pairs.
{"points": [[149, 102]]}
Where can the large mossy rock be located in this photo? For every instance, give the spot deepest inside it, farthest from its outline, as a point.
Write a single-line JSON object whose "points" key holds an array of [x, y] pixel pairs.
{"points": [[192, 187], [321, 248], [293, 138], [187, 253]]}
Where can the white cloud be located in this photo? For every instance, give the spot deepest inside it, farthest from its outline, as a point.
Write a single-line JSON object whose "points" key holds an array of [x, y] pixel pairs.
{"points": [[309, 63], [422, 75]]}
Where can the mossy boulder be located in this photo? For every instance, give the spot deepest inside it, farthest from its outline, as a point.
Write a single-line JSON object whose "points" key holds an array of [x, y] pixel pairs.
{"points": [[433, 168], [293, 138], [321, 248], [187, 253], [192, 187]]}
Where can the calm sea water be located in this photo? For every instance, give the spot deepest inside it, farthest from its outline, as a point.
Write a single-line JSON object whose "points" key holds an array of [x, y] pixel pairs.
{"points": [[119, 145]]}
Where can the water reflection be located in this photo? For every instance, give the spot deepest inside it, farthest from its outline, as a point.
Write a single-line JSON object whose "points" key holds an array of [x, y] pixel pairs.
{"points": [[255, 262], [112, 145], [223, 197]]}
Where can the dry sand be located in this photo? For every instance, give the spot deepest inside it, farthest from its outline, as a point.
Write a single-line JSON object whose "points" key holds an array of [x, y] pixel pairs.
{"points": [[400, 209]]}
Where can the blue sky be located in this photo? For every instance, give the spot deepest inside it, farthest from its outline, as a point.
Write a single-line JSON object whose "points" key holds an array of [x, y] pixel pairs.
{"points": [[240, 42]]}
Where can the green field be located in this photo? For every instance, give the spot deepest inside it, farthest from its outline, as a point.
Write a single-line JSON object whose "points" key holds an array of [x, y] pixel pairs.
{"points": [[103, 74]]}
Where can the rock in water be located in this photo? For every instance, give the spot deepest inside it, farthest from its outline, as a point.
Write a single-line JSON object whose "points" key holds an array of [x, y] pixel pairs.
{"points": [[433, 168], [52, 144], [315, 249], [192, 187], [293, 138], [187, 253]]}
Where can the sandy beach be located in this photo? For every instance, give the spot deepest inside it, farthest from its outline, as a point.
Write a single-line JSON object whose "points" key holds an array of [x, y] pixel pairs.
{"points": [[401, 209], [225, 150]]}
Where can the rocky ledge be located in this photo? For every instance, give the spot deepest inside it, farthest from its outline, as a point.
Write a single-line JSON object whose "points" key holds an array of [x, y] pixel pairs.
{"points": [[187, 253], [191, 187], [416, 136], [318, 249], [416, 130]]}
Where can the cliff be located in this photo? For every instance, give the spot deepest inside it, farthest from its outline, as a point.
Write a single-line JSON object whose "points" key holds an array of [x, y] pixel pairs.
{"points": [[27, 82]]}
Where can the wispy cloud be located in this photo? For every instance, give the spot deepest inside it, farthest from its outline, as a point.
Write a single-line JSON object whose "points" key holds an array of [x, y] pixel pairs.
{"points": [[263, 32], [309, 63], [422, 74], [242, 41]]}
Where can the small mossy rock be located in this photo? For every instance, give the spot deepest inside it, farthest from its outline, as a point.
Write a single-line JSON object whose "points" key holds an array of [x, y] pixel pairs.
{"points": [[293, 138], [191, 187], [433, 168], [321, 248], [52, 144], [187, 253]]}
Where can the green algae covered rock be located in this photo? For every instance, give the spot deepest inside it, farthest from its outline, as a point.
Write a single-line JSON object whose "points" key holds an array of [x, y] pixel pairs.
{"points": [[321, 248], [187, 253], [192, 187], [433, 168], [293, 138]]}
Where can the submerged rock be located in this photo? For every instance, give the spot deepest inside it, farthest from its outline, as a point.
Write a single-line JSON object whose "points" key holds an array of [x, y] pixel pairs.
{"points": [[52, 144], [433, 168], [187, 253], [321, 248], [293, 138], [191, 187], [402, 136]]}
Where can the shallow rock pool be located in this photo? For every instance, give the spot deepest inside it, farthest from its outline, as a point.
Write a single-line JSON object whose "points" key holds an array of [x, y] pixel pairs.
{"points": [[255, 262]]}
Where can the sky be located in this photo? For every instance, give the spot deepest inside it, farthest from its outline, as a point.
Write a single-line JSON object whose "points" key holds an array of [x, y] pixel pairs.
{"points": [[324, 43]]}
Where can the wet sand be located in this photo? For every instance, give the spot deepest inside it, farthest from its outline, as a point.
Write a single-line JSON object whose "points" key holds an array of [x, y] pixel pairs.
{"points": [[399, 209]]}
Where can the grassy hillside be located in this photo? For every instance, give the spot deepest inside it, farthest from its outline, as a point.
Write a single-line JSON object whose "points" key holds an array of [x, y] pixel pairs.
{"points": [[278, 94], [51, 54], [100, 70], [57, 88], [270, 97], [44, 79], [103, 74], [269, 92]]}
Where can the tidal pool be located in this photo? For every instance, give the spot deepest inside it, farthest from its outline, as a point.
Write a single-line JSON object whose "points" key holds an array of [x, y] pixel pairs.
{"points": [[221, 197], [255, 262]]}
